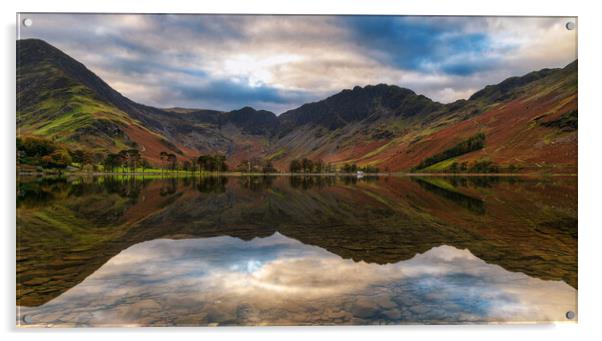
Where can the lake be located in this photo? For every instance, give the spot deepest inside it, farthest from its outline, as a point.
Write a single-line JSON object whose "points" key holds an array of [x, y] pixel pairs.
{"points": [[295, 250]]}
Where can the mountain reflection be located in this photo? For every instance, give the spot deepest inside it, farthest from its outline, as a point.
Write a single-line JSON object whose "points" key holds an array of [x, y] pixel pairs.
{"points": [[71, 231], [277, 280]]}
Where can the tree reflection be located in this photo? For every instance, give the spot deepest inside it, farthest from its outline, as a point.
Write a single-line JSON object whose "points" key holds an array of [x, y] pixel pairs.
{"points": [[212, 184]]}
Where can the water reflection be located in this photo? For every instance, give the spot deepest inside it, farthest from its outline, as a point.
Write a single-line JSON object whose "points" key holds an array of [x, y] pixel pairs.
{"points": [[277, 280], [72, 233], [473, 204], [213, 184]]}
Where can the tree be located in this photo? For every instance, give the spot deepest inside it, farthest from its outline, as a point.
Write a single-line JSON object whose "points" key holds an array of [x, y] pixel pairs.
{"points": [[269, 168], [111, 161], [473, 143], [295, 166], [43, 152], [133, 159], [36, 146], [145, 164], [350, 168], [130, 158], [186, 165], [123, 160], [220, 163], [319, 166], [244, 166], [454, 167], [307, 165], [369, 169], [169, 160], [212, 163], [255, 165], [193, 165], [82, 157], [172, 161], [484, 166], [163, 157], [204, 162], [98, 157], [57, 159]]}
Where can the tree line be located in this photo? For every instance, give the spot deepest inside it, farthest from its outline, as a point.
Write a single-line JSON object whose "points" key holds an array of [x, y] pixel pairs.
{"points": [[479, 166], [318, 166], [42, 152], [131, 159], [256, 165], [471, 144], [49, 154], [306, 165], [353, 168], [127, 159]]}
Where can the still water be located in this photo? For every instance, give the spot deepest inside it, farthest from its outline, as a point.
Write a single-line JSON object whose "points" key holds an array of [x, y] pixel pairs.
{"points": [[295, 250]]}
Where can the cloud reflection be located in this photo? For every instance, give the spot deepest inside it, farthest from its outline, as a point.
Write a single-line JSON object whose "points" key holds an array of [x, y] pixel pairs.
{"points": [[277, 280]]}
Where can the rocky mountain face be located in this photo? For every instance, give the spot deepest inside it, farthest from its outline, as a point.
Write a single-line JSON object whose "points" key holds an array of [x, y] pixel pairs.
{"points": [[367, 105], [529, 122]]}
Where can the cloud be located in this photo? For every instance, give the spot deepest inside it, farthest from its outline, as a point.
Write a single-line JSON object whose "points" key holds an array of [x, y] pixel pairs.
{"points": [[425, 45], [280, 62], [226, 94]]}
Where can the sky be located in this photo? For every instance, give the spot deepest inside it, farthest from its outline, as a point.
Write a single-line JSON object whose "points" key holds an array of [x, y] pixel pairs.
{"points": [[278, 63]]}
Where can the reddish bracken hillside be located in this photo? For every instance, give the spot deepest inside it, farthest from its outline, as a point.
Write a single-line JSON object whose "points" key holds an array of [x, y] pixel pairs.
{"points": [[516, 134], [535, 131], [528, 126]]}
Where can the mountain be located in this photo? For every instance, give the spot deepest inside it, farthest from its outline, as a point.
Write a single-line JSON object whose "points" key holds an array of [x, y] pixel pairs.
{"points": [[394, 129], [60, 98], [526, 123], [256, 122], [367, 104]]}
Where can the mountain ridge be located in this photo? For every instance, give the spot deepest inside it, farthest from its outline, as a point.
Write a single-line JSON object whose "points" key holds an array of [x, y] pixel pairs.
{"points": [[381, 125]]}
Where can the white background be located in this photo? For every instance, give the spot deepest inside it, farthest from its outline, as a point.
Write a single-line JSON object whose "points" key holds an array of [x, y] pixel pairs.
{"points": [[590, 147]]}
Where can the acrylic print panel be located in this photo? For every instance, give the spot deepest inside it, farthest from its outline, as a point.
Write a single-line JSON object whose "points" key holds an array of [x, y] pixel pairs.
{"points": [[209, 170]]}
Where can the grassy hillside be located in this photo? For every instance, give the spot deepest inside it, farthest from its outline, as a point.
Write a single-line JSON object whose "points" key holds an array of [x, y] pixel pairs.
{"points": [[55, 103]]}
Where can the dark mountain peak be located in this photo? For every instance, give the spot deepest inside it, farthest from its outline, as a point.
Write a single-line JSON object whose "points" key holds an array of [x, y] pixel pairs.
{"points": [[508, 87], [256, 122], [358, 104], [56, 70], [251, 112], [35, 52], [246, 109], [377, 90]]}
